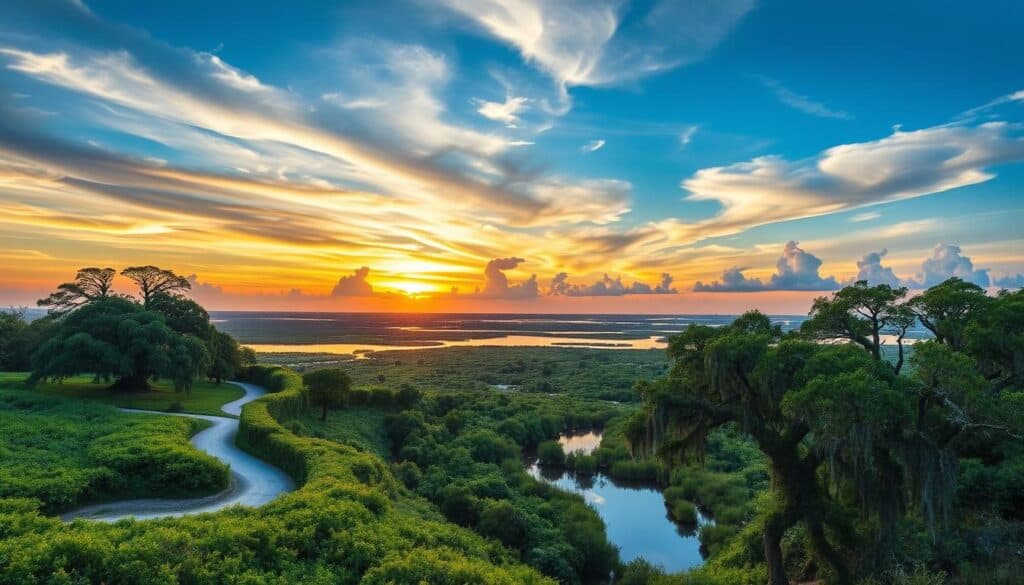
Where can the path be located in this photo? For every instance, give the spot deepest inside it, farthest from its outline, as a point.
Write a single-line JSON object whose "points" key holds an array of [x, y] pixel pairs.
{"points": [[254, 482]]}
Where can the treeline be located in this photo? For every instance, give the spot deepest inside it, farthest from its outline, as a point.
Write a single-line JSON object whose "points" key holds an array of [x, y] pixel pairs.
{"points": [[879, 469], [89, 328]]}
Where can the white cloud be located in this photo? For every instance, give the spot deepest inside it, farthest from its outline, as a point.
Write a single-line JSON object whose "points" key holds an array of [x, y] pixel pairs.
{"points": [[796, 269], [597, 42], [506, 112], [947, 262], [686, 136], [609, 287], [870, 268], [903, 165], [802, 102], [593, 145], [866, 216]]}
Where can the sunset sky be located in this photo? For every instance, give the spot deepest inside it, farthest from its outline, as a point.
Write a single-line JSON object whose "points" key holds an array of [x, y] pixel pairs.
{"points": [[512, 155]]}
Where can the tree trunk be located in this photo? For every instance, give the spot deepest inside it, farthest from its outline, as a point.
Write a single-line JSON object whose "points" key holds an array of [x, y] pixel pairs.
{"points": [[772, 541], [824, 551], [134, 383], [323, 414]]}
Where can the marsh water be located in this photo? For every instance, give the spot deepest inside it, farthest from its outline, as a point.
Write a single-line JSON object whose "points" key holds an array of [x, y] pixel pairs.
{"points": [[634, 513]]}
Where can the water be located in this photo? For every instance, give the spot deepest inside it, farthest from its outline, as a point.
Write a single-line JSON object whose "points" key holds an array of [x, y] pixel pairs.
{"points": [[634, 513], [653, 342], [354, 333]]}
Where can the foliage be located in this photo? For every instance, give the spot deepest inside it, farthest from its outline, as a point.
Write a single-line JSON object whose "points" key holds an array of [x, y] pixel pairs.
{"points": [[114, 338], [66, 452], [854, 451], [154, 282], [90, 284], [327, 389], [862, 314], [589, 373]]}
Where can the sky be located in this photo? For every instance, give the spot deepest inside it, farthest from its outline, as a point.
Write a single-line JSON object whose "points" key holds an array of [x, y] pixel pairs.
{"points": [[689, 156]]}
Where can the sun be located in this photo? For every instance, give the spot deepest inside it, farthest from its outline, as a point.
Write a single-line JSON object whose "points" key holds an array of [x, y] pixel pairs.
{"points": [[412, 288]]}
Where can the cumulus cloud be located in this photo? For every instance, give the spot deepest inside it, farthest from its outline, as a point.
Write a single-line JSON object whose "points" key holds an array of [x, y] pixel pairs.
{"points": [[602, 42], [204, 292], [802, 102], [593, 145], [496, 285], [353, 285], [796, 269], [1009, 281], [608, 287], [947, 262], [870, 268]]}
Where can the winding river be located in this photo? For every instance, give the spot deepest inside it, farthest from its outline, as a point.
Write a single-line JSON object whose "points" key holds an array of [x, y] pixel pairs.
{"points": [[254, 482]]}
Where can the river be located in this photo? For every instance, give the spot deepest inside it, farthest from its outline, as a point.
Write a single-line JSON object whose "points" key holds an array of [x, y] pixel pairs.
{"points": [[634, 513]]}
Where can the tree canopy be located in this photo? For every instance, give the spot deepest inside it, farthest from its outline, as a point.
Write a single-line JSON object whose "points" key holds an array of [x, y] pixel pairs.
{"points": [[89, 284], [328, 388], [842, 431], [116, 339], [153, 281]]}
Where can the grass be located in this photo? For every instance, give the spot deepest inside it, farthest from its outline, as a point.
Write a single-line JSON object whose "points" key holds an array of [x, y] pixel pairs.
{"points": [[67, 452], [360, 427], [590, 373], [205, 397]]}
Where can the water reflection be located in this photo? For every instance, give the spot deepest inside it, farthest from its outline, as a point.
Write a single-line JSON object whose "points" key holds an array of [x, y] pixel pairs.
{"points": [[634, 513], [652, 342]]}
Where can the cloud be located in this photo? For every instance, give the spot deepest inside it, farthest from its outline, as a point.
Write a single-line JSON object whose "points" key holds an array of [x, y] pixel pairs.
{"points": [[870, 268], [592, 146], [497, 286], [866, 216], [604, 42], [802, 102], [354, 285], [686, 136], [947, 262], [608, 287], [204, 292], [506, 112], [903, 165], [796, 269], [1009, 281]]}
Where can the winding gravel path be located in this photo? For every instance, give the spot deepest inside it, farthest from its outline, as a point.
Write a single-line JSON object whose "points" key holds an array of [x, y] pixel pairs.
{"points": [[254, 482]]}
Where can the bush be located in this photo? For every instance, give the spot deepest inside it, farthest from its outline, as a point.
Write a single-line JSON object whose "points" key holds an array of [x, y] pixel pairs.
{"points": [[550, 453]]}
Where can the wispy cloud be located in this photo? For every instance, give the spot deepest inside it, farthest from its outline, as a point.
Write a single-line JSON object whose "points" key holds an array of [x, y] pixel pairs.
{"points": [[593, 145], [686, 136], [592, 43], [801, 102]]}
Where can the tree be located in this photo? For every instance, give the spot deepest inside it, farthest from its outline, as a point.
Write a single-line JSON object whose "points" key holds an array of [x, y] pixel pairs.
{"points": [[12, 325], [225, 355], [946, 308], [994, 337], [328, 388], [116, 339], [181, 314], [89, 284], [862, 314], [809, 407], [153, 281]]}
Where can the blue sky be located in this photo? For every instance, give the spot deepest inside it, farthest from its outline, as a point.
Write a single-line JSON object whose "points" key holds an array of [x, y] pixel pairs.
{"points": [[426, 138]]}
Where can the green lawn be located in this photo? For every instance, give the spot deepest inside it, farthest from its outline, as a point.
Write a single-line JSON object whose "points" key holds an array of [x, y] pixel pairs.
{"points": [[205, 397]]}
